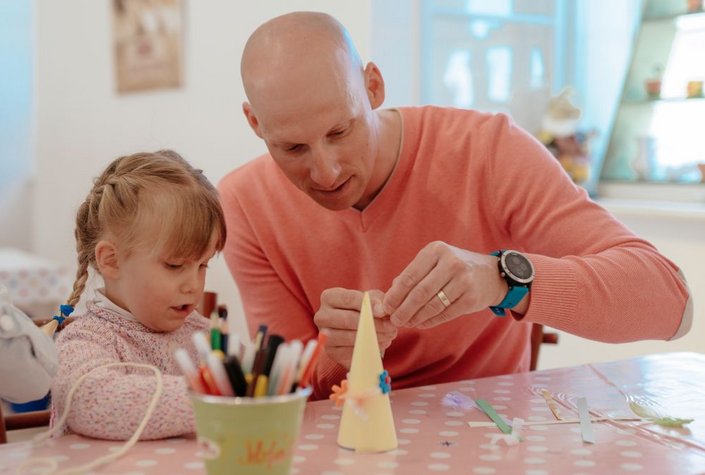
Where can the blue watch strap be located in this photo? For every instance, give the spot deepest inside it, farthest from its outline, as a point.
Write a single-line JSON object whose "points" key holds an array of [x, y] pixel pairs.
{"points": [[513, 297], [498, 311]]}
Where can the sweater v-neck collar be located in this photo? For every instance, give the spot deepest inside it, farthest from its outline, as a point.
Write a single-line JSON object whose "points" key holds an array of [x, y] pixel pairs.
{"points": [[387, 196]]}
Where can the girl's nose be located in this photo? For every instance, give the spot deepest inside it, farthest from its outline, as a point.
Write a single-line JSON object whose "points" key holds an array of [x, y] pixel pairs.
{"points": [[193, 282]]}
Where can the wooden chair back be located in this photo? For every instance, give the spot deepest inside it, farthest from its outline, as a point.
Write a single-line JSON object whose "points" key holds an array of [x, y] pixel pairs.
{"points": [[538, 338]]}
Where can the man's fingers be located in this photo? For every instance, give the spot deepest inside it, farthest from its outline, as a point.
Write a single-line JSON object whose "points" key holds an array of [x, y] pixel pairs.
{"points": [[340, 298], [410, 277]]}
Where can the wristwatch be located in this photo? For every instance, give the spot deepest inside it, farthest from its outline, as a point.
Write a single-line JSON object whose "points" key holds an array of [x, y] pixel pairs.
{"points": [[518, 271]]}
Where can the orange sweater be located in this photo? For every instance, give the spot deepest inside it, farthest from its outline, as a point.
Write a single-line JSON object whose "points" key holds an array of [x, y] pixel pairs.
{"points": [[475, 181]]}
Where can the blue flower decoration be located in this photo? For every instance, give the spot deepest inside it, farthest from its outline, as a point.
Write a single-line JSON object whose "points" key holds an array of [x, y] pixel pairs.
{"points": [[385, 382]]}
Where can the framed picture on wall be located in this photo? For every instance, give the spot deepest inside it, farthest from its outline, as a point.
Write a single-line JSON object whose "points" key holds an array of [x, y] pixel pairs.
{"points": [[148, 43]]}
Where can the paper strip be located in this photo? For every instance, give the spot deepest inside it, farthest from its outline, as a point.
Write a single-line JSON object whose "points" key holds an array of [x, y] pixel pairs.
{"points": [[492, 414], [485, 424], [517, 424], [551, 404], [585, 424]]}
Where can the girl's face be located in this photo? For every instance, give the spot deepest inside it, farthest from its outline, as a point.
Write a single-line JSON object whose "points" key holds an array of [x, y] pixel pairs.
{"points": [[160, 291]]}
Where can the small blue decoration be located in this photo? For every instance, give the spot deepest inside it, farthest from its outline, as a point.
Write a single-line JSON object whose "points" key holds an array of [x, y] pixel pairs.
{"points": [[385, 382], [66, 310]]}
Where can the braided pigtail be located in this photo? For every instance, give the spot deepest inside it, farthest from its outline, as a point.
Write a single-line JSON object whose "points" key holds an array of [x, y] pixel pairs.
{"points": [[79, 284], [89, 230]]}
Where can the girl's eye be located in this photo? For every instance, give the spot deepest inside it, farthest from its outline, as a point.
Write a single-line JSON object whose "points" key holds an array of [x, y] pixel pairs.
{"points": [[293, 148], [204, 266], [173, 266]]}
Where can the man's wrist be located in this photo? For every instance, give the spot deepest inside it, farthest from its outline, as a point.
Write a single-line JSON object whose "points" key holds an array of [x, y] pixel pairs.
{"points": [[517, 271]]}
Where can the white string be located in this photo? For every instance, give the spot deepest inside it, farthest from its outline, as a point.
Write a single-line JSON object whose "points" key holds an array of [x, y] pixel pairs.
{"points": [[53, 466]]}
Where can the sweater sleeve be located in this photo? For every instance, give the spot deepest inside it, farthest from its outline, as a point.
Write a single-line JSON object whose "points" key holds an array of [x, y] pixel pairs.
{"points": [[266, 297], [112, 402], [594, 277]]}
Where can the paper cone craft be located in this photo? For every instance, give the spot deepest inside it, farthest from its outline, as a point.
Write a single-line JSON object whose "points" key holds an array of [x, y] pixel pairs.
{"points": [[367, 424]]}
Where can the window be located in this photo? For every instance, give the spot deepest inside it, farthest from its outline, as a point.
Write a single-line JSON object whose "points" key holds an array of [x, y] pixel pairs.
{"points": [[445, 52], [16, 57], [657, 136], [15, 90], [677, 125], [499, 56]]}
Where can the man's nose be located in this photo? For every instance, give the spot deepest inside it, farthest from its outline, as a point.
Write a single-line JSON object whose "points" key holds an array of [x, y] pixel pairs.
{"points": [[325, 168]]}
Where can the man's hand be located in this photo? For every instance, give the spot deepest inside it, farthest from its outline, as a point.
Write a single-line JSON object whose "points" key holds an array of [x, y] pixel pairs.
{"points": [[466, 281], [339, 315]]}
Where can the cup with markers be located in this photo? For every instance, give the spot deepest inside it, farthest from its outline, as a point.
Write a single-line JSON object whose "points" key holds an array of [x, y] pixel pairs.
{"points": [[248, 399]]}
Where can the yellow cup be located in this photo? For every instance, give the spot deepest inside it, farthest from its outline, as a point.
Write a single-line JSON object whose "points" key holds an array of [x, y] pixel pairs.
{"points": [[694, 89], [248, 436]]}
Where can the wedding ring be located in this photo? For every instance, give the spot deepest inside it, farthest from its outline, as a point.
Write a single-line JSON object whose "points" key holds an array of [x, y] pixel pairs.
{"points": [[443, 298]]}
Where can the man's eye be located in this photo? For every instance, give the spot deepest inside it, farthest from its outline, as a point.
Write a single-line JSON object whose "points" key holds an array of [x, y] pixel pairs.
{"points": [[293, 148]]}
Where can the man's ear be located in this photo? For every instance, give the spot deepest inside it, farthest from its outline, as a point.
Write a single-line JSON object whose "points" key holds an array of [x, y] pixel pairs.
{"points": [[374, 85], [106, 259], [251, 118]]}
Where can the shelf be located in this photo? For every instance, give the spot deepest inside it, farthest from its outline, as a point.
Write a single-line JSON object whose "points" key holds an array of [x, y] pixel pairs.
{"points": [[660, 139], [654, 200], [654, 210], [665, 100], [674, 16]]}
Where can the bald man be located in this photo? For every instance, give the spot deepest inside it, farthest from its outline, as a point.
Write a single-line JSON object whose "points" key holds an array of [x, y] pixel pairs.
{"points": [[464, 229]]}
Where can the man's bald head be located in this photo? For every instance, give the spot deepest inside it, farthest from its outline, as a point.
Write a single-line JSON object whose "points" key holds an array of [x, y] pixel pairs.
{"points": [[287, 48]]}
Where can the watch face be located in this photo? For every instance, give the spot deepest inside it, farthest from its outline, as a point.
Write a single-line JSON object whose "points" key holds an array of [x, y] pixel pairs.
{"points": [[518, 266]]}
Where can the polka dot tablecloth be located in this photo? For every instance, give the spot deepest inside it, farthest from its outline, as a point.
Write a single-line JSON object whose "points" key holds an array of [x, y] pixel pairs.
{"points": [[434, 438], [32, 282]]}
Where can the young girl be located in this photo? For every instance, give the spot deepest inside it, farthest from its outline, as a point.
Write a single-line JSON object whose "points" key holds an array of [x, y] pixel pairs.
{"points": [[149, 227]]}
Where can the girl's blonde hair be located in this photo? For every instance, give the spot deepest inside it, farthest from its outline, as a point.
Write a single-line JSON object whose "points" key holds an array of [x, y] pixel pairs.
{"points": [[148, 199]]}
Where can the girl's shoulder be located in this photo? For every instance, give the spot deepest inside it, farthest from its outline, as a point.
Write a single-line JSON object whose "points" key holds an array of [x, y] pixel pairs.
{"points": [[86, 321]]}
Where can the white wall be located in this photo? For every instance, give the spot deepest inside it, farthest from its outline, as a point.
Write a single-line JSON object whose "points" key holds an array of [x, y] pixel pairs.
{"points": [[82, 123]]}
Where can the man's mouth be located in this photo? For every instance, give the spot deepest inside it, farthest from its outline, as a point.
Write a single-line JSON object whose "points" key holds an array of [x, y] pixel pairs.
{"points": [[336, 189]]}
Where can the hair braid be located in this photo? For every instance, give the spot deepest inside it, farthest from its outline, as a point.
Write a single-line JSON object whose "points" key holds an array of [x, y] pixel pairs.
{"points": [[87, 232], [79, 284]]}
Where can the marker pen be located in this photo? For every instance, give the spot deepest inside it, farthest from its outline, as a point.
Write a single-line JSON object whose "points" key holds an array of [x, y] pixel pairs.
{"points": [[308, 372], [220, 377], [188, 369], [235, 375]]}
